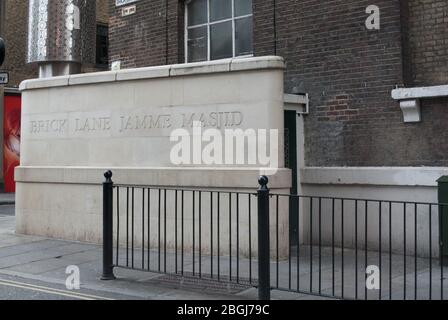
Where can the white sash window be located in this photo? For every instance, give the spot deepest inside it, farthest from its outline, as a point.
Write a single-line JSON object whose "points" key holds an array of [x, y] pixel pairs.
{"points": [[218, 29]]}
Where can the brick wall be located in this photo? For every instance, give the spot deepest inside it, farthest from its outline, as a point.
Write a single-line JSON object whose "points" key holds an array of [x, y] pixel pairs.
{"points": [[428, 44], [264, 40], [15, 29], [152, 36], [348, 71], [102, 11], [428, 30]]}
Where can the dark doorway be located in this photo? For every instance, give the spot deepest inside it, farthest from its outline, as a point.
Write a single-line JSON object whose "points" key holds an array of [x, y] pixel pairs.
{"points": [[291, 163]]}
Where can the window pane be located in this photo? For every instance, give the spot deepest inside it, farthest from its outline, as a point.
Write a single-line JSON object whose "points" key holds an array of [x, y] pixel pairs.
{"points": [[243, 36], [220, 9], [197, 12], [221, 40], [243, 7], [197, 44]]}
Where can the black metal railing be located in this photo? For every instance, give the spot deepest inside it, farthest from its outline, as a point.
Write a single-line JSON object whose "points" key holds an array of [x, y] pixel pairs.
{"points": [[341, 248], [362, 249], [184, 232]]}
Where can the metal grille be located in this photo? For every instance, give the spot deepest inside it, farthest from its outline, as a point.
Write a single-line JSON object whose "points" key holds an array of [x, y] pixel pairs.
{"points": [[346, 244], [188, 281], [186, 232], [58, 29], [344, 248]]}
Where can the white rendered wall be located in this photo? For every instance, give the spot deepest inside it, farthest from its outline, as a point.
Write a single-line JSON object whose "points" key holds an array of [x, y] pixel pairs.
{"points": [[406, 184]]}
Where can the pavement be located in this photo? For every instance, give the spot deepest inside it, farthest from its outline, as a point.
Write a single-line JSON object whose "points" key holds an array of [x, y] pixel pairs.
{"points": [[7, 198], [35, 268]]}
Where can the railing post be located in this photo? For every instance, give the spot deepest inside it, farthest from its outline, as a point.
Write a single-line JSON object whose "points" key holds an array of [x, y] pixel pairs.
{"points": [[108, 185], [264, 273], [443, 221]]}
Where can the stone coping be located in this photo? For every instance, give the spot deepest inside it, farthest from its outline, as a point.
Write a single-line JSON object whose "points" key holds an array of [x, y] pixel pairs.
{"points": [[410, 99], [381, 176], [207, 67], [232, 178], [420, 92]]}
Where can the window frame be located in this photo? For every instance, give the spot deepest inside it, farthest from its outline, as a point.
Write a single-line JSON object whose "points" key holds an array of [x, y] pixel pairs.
{"points": [[208, 24]]}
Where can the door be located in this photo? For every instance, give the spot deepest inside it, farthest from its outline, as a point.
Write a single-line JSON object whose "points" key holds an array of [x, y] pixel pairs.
{"points": [[291, 163]]}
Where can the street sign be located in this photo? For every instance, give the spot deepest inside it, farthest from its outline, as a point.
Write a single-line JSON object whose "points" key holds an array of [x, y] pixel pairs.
{"points": [[4, 78], [119, 3], [127, 11]]}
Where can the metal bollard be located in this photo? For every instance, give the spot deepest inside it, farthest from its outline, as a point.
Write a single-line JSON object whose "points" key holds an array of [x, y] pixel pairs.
{"points": [[443, 219], [264, 276], [108, 268]]}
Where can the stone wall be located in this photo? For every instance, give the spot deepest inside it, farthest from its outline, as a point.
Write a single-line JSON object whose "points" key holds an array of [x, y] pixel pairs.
{"points": [[76, 127], [388, 187]]}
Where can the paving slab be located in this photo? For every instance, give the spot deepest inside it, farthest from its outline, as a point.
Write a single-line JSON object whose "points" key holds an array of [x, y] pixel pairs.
{"points": [[316, 272], [7, 198], [42, 266]]}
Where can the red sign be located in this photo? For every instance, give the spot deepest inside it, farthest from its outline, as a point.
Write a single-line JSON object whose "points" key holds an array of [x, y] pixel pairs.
{"points": [[11, 143]]}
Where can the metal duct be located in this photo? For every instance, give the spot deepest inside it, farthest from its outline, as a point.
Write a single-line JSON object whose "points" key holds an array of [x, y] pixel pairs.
{"points": [[58, 32]]}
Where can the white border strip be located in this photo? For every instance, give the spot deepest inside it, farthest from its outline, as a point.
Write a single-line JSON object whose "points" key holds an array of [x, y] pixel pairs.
{"points": [[384, 176], [175, 70], [242, 178]]}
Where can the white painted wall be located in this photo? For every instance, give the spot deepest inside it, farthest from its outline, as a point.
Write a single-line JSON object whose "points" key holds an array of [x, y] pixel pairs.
{"points": [[387, 184]]}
